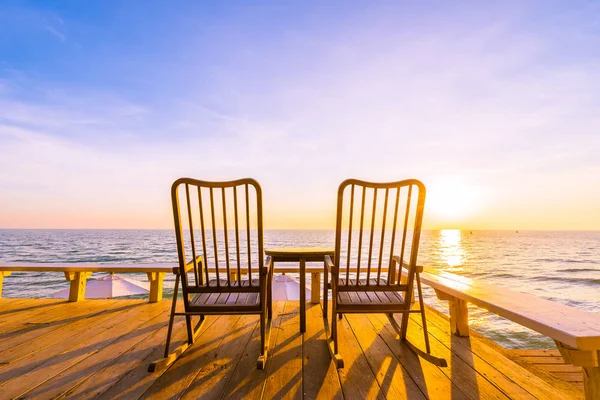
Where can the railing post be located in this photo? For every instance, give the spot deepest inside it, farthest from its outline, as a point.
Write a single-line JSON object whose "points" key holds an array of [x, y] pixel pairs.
{"points": [[77, 280], [589, 360], [315, 288], [2, 275], [156, 285]]}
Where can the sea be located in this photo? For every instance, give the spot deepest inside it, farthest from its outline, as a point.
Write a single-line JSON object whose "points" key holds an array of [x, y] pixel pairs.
{"points": [[562, 266]]}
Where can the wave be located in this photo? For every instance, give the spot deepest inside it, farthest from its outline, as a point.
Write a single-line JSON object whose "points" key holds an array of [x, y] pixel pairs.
{"points": [[567, 261], [581, 270], [585, 281]]}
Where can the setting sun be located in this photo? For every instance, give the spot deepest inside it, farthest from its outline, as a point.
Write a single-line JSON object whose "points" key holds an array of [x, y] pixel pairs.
{"points": [[452, 198]]}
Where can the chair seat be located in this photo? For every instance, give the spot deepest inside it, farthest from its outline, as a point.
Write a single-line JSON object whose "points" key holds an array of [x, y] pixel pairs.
{"points": [[367, 299], [227, 301], [234, 283], [370, 298], [352, 282]]}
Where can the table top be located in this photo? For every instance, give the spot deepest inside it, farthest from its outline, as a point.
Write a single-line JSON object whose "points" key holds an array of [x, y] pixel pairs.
{"points": [[300, 251]]}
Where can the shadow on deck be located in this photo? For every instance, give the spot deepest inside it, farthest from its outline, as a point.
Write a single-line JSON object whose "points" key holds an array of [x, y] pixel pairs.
{"points": [[102, 348]]}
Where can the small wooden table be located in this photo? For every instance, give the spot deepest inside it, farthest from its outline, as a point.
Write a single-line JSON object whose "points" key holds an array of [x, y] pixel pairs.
{"points": [[301, 255]]}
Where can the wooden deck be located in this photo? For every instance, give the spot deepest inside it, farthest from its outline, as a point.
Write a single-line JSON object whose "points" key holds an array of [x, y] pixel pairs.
{"points": [[101, 349], [551, 362]]}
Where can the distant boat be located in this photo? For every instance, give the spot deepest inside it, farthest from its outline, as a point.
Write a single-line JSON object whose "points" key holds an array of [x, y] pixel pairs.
{"points": [[516, 231]]}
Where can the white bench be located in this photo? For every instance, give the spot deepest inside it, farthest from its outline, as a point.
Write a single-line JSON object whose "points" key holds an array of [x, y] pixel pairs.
{"points": [[77, 275], [575, 332]]}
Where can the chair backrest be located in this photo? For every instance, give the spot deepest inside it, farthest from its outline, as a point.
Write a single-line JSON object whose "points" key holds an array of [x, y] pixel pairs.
{"points": [[223, 223], [376, 221]]}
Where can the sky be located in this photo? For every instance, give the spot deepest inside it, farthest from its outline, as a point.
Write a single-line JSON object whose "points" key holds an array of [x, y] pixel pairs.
{"points": [[495, 106]]}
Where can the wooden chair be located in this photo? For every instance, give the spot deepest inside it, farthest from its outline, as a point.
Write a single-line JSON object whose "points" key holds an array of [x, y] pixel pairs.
{"points": [[221, 267], [378, 226]]}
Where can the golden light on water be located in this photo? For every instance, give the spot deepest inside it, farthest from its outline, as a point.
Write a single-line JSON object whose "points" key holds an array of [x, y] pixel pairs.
{"points": [[452, 252]]}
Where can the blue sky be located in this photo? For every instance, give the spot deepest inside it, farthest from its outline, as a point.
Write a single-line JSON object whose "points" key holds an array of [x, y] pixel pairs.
{"points": [[493, 105]]}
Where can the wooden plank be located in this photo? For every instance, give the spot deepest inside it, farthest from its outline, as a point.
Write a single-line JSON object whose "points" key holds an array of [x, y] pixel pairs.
{"points": [[57, 363], [498, 369], [393, 379], [545, 360], [430, 379], [356, 378], [246, 381], [45, 322], [179, 376], [113, 347], [470, 373], [134, 383], [108, 376], [286, 359], [536, 353], [83, 267], [66, 333], [569, 376], [21, 317], [559, 368], [319, 375], [213, 377]]}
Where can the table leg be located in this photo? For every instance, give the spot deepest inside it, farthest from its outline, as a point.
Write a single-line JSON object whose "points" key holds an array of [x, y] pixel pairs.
{"points": [[302, 294]]}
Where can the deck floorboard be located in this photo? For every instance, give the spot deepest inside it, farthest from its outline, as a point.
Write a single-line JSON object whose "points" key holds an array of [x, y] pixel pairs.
{"points": [[100, 349]]}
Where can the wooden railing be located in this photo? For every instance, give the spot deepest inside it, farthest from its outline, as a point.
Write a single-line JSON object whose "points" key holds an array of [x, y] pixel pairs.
{"points": [[575, 332], [77, 275]]}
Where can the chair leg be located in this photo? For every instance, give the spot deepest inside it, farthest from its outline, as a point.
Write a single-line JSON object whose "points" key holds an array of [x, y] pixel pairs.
{"points": [[265, 335], [170, 358], [172, 317], [270, 294], [403, 326], [325, 293], [423, 319]]}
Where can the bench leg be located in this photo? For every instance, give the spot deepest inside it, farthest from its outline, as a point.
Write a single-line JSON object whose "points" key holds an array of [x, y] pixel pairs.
{"points": [[590, 361], [459, 314], [315, 290], [156, 285], [2, 275], [77, 280], [459, 317]]}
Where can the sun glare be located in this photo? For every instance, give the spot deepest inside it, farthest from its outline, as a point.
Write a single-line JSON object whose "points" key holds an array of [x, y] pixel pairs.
{"points": [[452, 198]]}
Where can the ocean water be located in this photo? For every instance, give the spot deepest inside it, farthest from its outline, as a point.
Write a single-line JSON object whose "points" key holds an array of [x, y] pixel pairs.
{"points": [[562, 266]]}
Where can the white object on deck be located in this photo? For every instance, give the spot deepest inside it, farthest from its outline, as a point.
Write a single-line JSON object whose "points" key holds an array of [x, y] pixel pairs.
{"points": [[287, 288], [110, 286]]}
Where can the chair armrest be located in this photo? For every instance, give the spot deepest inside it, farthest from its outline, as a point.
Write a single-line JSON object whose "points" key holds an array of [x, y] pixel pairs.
{"points": [[267, 267], [405, 265], [189, 266], [329, 267]]}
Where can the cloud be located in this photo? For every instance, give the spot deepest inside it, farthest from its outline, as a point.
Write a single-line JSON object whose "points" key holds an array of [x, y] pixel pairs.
{"points": [[60, 36]]}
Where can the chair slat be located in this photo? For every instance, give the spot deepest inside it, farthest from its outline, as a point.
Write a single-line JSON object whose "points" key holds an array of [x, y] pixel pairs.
{"points": [[248, 234], [226, 236], [192, 241], [214, 232], [205, 259], [393, 239], [373, 214], [237, 235], [406, 215], [360, 232], [350, 232], [385, 205]]}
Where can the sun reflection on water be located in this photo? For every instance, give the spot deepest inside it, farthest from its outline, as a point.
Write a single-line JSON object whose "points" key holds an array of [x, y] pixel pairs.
{"points": [[452, 252]]}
